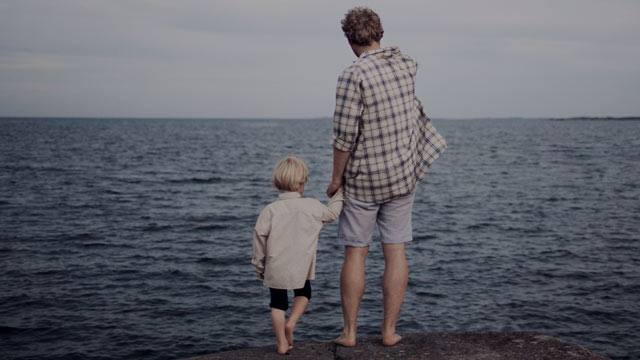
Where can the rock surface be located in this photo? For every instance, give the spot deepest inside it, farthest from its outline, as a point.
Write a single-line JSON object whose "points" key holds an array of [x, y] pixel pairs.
{"points": [[428, 346]]}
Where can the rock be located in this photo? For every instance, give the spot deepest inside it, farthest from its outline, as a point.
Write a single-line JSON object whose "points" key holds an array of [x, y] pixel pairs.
{"points": [[429, 346], [302, 350]]}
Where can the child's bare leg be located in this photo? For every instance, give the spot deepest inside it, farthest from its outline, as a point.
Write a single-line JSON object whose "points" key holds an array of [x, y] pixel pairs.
{"points": [[299, 305], [277, 322]]}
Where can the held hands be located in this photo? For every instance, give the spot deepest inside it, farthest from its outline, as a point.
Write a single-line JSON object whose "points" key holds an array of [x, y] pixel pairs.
{"points": [[260, 275], [333, 187]]}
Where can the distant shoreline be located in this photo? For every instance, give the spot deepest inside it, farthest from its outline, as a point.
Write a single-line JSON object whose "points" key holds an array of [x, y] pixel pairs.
{"points": [[591, 118]]}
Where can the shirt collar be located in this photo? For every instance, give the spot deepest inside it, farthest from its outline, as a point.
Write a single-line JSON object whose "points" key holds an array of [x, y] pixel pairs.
{"points": [[388, 51], [288, 195]]}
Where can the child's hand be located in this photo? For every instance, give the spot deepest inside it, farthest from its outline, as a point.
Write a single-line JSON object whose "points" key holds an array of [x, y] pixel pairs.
{"points": [[260, 275]]}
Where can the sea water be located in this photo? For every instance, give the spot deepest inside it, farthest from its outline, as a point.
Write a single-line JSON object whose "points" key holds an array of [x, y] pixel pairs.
{"points": [[131, 238]]}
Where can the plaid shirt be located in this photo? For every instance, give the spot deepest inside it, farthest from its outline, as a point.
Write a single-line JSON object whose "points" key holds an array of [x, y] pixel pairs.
{"points": [[381, 122]]}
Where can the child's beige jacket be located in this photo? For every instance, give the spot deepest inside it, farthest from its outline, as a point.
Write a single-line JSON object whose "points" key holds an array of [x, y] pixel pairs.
{"points": [[285, 239]]}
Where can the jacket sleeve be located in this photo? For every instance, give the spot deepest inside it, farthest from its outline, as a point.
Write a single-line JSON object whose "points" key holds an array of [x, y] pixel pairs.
{"points": [[260, 237], [334, 207]]}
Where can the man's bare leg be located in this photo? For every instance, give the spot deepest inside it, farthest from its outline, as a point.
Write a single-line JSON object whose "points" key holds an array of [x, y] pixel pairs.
{"points": [[352, 284], [299, 304], [394, 286]]}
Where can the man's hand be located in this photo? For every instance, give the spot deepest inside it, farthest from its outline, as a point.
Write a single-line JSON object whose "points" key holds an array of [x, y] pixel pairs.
{"points": [[260, 275], [333, 188]]}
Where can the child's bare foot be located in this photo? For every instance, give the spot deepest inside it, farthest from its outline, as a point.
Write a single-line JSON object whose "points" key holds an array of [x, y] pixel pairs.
{"points": [[346, 340], [390, 340], [288, 331], [283, 348]]}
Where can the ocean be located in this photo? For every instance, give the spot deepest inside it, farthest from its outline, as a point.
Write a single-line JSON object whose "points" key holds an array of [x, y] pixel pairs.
{"points": [[131, 238]]}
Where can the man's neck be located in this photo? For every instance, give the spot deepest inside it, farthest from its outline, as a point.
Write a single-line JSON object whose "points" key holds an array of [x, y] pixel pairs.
{"points": [[361, 49]]}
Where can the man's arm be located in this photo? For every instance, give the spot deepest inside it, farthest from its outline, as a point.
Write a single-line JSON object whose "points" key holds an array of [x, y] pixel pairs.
{"points": [[346, 119], [340, 159]]}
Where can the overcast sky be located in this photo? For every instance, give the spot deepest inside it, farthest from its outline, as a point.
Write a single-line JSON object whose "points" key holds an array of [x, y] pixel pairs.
{"points": [[267, 58]]}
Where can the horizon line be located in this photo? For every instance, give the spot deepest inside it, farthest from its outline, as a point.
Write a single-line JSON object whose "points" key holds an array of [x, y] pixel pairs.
{"points": [[580, 117]]}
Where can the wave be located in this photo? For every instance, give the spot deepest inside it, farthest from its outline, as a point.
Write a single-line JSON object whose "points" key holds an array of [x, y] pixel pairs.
{"points": [[221, 261], [194, 180], [212, 227], [154, 227]]}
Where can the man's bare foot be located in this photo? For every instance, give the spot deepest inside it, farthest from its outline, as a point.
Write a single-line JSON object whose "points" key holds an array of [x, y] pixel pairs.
{"points": [[345, 340], [391, 339], [288, 331]]}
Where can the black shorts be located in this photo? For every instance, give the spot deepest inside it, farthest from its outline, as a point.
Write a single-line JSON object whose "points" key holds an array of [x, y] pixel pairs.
{"points": [[280, 299]]}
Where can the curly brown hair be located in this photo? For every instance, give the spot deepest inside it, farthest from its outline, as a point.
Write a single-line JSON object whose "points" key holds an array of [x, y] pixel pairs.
{"points": [[362, 26]]}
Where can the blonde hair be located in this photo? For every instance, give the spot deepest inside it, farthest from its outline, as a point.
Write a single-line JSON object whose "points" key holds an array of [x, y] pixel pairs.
{"points": [[290, 174], [362, 26]]}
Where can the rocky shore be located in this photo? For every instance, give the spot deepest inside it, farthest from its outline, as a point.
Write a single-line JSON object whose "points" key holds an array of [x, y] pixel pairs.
{"points": [[429, 346]]}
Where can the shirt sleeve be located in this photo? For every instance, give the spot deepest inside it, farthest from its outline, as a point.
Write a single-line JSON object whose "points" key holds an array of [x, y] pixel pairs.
{"points": [[260, 236], [349, 108], [334, 207]]}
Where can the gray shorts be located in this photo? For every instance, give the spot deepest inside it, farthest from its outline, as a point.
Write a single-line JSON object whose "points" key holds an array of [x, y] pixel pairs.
{"points": [[358, 220]]}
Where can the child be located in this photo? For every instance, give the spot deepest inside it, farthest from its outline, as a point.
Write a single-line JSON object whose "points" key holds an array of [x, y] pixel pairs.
{"points": [[285, 241]]}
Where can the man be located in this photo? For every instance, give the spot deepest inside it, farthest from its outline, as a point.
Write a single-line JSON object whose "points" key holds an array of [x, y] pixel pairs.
{"points": [[383, 146]]}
